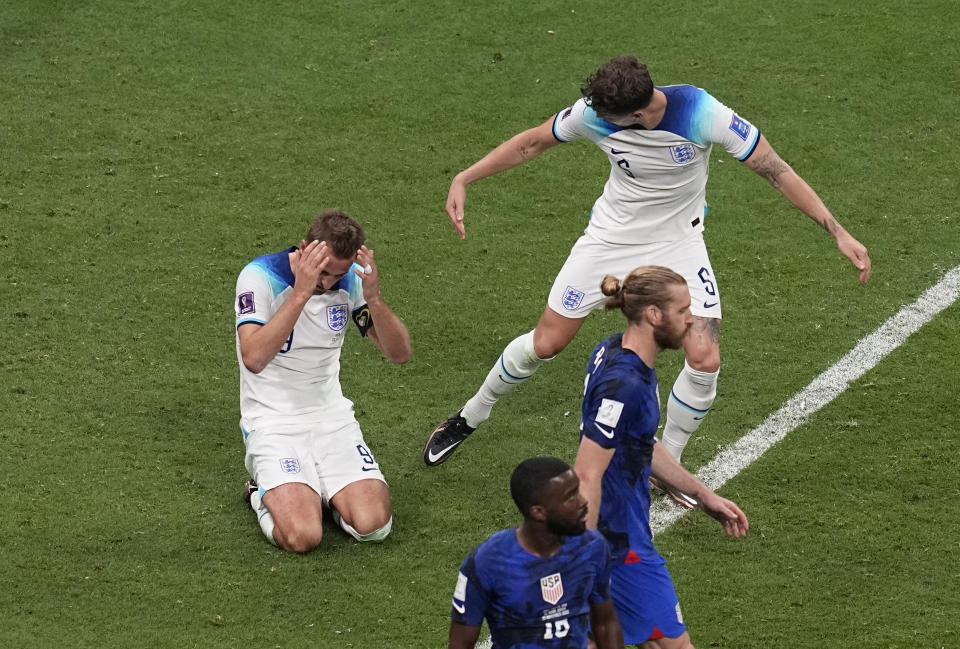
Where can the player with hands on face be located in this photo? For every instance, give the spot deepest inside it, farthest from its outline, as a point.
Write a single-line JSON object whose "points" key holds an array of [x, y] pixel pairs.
{"points": [[304, 447]]}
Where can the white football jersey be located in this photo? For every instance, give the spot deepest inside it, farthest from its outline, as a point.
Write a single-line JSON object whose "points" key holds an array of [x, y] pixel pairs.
{"points": [[302, 382], [658, 177]]}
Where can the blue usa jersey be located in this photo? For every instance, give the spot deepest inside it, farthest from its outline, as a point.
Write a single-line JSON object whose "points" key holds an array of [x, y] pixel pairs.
{"points": [[530, 601], [621, 410]]}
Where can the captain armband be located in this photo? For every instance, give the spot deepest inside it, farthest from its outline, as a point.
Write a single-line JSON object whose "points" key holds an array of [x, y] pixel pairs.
{"points": [[363, 320]]}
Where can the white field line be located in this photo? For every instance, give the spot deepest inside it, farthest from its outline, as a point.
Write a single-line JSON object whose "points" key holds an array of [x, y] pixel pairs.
{"points": [[821, 391]]}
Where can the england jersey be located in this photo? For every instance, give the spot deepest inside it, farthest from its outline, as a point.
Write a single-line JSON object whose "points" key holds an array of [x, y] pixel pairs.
{"points": [[302, 382], [621, 410], [658, 177], [530, 601]]}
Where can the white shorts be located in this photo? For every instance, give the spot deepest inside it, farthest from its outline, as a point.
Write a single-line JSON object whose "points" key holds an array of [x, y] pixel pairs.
{"points": [[576, 290], [326, 459]]}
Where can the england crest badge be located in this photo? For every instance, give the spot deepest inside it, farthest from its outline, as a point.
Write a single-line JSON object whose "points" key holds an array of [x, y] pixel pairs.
{"points": [[572, 298], [683, 153], [337, 316], [551, 587], [290, 465]]}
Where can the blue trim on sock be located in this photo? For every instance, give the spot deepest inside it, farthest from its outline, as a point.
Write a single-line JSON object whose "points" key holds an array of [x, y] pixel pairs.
{"points": [[518, 379], [688, 406]]}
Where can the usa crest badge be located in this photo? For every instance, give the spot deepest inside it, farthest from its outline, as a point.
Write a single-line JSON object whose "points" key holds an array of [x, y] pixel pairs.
{"points": [[337, 316], [683, 153], [572, 298], [551, 587], [290, 465]]}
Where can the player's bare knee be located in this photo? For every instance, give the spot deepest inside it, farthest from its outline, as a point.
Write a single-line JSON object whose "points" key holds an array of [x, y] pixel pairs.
{"points": [[300, 538], [369, 520], [709, 364]]}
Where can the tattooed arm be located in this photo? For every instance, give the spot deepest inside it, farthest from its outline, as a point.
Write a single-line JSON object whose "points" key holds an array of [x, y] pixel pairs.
{"points": [[766, 163]]}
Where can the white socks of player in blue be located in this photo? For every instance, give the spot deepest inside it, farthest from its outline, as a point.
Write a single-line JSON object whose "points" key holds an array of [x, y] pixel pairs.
{"points": [[689, 402], [516, 364], [375, 536], [263, 514]]}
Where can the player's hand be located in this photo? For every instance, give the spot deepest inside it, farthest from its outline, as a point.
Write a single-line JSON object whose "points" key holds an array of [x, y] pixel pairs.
{"points": [[309, 260], [856, 252], [734, 521], [368, 273], [456, 197]]}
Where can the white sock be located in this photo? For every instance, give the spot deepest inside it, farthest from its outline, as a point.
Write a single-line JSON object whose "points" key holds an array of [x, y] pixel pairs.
{"points": [[263, 514], [689, 402], [516, 364]]}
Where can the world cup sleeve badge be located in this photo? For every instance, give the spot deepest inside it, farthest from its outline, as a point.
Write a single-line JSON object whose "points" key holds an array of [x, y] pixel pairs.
{"points": [[246, 303]]}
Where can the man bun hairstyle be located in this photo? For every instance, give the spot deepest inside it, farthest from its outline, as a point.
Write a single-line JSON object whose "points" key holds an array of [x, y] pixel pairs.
{"points": [[642, 287], [341, 232], [619, 87], [530, 478]]}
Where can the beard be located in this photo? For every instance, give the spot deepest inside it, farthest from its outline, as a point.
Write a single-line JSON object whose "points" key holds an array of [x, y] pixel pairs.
{"points": [[667, 339], [565, 526]]}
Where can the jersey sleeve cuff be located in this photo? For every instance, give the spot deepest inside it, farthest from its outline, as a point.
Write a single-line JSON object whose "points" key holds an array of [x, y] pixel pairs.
{"points": [[753, 146]]}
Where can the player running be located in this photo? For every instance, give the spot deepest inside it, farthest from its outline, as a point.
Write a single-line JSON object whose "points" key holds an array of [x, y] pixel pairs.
{"points": [[658, 140]]}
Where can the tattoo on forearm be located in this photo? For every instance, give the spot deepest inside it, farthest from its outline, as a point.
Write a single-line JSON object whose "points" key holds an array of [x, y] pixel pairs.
{"points": [[829, 224], [771, 167], [705, 327]]}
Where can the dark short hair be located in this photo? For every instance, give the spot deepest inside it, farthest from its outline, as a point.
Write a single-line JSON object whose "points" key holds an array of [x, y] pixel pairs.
{"points": [[341, 232], [529, 479], [621, 85]]}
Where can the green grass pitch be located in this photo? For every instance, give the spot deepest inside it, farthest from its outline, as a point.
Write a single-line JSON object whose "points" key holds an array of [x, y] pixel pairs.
{"points": [[148, 150]]}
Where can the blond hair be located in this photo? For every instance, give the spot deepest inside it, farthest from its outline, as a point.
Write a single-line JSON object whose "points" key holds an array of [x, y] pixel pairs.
{"points": [[642, 287]]}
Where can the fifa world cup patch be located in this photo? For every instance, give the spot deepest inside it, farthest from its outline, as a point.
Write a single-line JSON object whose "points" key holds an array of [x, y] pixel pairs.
{"points": [[683, 153], [572, 298], [609, 412], [337, 316], [551, 587], [740, 127], [290, 465], [245, 303]]}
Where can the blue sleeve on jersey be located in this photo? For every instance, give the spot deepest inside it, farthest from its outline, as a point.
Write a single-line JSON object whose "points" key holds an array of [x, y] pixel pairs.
{"points": [[603, 558], [469, 599]]}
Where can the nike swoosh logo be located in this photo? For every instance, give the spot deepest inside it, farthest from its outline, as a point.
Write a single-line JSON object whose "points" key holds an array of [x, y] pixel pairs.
{"points": [[607, 433], [707, 306], [433, 457], [368, 468], [615, 152], [461, 608]]}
